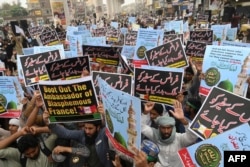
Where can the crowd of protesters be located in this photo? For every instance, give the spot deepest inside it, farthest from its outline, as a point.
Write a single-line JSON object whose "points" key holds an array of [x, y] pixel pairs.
{"points": [[31, 141]]}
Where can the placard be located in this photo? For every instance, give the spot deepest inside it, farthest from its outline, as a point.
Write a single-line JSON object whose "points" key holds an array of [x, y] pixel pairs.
{"points": [[67, 69], [158, 84], [123, 118], [170, 54], [220, 112], [70, 100]]}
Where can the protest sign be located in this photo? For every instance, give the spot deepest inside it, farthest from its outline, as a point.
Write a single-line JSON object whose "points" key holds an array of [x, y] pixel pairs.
{"points": [[70, 68], [169, 37], [211, 152], [102, 54], [225, 67], [112, 35], [130, 38], [125, 68], [231, 43], [220, 112], [122, 113], [146, 39], [100, 32], [120, 82], [96, 41], [202, 36], [170, 54], [11, 96], [40, 49], [70, 100], [49, 37], [158, 84], [35, 31], [62, 35], [33, 66], [196, 50], [28, 51], [128, 51]]}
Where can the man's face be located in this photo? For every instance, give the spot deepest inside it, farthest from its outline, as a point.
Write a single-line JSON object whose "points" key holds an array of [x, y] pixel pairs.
{"points": [[13, 128], [90, 129], [187, 77], [154, 114], [32, 152], [165, 131]]}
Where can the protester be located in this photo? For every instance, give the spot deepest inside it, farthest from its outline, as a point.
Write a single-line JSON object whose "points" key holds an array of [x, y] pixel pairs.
{"points": [[28, 151], [166, 137], [93, 136]]}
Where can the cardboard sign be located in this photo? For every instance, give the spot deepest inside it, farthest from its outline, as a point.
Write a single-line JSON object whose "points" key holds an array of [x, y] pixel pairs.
{"points": [[202, 36], [102, 54], [35, 31], [220, 112], [123, 118], [11, 97], [158, 84], [112, 35], [70, 100], [196, 50], [117, 81], [70, 68], [49, 37], [130, 38], [211, 152], [33, 66], [170, 54]]}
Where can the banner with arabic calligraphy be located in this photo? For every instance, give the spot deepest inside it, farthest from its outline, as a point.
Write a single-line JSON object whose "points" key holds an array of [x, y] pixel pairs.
{"points": [[124, 66], [11, 95], [123, 118], [170, 54], [225, 67], [210, 152], [169, 37], [102, 54], [112, 35], [70, 68], [130, 38], [196, 50], [220, 112], [202, 36], [49, 37], [118, 81], [70, 100], [158, 84], [34, 31], [100, 32], [33, 66], [146, 39], [61, 35]]}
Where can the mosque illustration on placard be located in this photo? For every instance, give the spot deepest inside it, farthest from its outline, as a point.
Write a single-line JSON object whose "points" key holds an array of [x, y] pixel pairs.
{"points": [[240, 86], [132, 133]]}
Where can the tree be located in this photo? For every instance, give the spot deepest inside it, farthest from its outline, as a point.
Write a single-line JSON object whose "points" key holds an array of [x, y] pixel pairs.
{"points": [[17, 11]]}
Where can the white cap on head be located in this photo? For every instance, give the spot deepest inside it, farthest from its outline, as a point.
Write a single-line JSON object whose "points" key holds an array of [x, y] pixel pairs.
{"points": [[14, 121]]}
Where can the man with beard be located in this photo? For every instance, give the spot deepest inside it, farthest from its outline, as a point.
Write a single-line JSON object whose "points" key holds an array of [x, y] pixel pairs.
{"points": [[28, 152], [166, 137], [93, 137]]}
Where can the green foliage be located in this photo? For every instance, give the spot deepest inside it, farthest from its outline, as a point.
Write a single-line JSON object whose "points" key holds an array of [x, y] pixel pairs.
{"points": [[13, 10], [18, 11]]}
